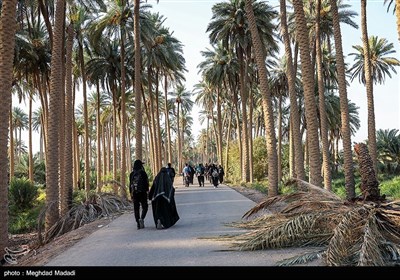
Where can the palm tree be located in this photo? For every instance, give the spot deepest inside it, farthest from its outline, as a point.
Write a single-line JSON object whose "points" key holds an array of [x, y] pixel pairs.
{"points": [[344, 107], [294, 116], [137, 82], [395, 10], [381, 62], [322, 110], [7, 33], [114, 23], [309, 97], [215, 69], [19, 123], [373, 70], [229, 25], [56, 86], [388, 146], [66, 190], [184, 104], [369, 86], [266, 100]]}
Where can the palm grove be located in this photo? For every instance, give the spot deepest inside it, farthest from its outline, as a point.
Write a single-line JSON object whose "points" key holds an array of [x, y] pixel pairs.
{"points": [[268, 117]]}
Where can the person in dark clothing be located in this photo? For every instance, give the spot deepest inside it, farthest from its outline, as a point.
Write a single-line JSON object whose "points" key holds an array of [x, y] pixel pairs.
{"points": [[221, 173], [214, 175], [171, 172], [139, 189], [191, 174], [162, 196], [200, 170]]}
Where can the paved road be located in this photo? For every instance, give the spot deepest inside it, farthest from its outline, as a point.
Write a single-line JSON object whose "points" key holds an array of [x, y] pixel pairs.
{"points": [[203, 212]]}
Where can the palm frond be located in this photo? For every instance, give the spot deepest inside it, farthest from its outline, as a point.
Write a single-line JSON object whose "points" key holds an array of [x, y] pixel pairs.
{"points": [[302, 258], [371, 253], [362, 232], [341, 248], [97, 206], [272, 201], [301, 230]]}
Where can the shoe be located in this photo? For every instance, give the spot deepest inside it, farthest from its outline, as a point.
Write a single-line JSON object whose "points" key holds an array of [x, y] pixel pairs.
{"points": [[141, 223], [138, 226], [159, 225]]}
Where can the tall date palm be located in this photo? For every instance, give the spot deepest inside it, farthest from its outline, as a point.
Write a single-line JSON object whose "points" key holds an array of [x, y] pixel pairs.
{"points": [[266, 101], [309, 98], [344, 107], [7, 33]]}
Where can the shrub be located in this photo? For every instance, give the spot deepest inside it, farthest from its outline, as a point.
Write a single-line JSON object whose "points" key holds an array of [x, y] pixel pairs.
{"points": [[391, 188], [23, 192], [25, 221]]}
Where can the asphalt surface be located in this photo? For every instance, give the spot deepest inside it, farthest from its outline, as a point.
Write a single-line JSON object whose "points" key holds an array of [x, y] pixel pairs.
{"points": [[204, 212]]}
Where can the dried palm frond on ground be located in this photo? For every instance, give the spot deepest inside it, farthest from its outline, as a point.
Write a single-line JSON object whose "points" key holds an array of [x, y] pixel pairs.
{"points": [[362, 232], [95, 207]]}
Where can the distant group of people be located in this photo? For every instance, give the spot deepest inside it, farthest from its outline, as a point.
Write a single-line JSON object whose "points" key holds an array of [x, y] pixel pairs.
{"points": [[212, 172], [162, 192]]}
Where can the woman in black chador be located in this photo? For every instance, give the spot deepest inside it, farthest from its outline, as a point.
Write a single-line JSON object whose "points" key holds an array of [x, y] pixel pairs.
{"points": [[162, 196]]}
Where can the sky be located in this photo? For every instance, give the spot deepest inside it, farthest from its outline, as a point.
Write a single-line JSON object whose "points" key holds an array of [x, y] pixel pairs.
{"points": [[188, 19]]}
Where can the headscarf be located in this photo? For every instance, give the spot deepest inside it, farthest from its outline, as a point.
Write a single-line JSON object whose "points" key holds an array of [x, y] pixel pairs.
{"points": [[138, 165]]}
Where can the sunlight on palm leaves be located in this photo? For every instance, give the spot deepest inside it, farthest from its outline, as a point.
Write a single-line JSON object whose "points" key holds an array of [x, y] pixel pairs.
{"points": [[97, 206], [362, 232]]}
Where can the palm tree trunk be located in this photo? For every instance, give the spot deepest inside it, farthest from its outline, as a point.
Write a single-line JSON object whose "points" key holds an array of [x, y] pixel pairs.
{"points": [[178, 133], [228, 133], [30, 155], [62, 207], [77, 170], [322, 110], [114, 149], [251, 175], [138, 82], [7, 41], [86, 122], [279, 136], [158, 127], [309, 96], [123, 119], [398, 17], [243, 94], [266, 102], [344, 108], [103, 140], [12, 141], [98, 139], [369, 86], [66, 191], [56, 81], [294, 108], [167, 123], [219, 126]]}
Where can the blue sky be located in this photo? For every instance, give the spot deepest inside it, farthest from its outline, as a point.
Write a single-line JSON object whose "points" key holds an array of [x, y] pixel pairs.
{"points": [[188, 19]]}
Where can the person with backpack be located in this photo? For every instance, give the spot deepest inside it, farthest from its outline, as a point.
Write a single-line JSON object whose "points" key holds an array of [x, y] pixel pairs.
{"points": [[186, 175], [162, 196], [200, 174], [171, 172], [139, 189], [214, 175]]}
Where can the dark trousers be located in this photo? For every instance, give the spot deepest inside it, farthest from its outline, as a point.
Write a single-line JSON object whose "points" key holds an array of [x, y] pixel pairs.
{"points": [[201, 180], [140, 199]]}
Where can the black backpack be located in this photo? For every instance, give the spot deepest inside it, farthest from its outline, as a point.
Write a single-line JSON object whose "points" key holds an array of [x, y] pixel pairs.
{"points": [[135, 180]]}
